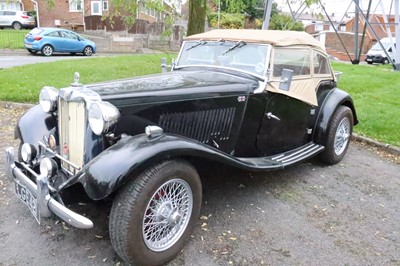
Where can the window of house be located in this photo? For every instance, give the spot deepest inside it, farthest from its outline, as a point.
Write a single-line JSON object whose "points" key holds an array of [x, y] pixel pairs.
{"points": [[293, 59], [96, 8], [319, 26], [321, 64], [105, 5], [75, 5]]}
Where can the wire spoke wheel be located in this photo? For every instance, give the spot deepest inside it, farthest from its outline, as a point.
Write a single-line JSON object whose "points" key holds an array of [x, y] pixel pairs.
{"points": [[342, 136], [154, 215], [167, 214]]}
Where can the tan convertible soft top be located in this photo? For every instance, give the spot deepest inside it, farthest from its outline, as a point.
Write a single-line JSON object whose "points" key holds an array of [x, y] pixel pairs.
{"points": [[274, 37]]}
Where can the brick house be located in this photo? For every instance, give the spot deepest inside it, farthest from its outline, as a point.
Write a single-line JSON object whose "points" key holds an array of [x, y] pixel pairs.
{"points": [[25, 5], [72, 13]]}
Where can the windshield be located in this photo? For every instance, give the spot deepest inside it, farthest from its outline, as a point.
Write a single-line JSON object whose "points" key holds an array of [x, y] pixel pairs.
{"points": [[240, 55]]}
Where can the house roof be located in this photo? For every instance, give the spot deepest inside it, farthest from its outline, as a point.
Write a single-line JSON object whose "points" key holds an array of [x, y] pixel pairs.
{"points": [[274, 37]]}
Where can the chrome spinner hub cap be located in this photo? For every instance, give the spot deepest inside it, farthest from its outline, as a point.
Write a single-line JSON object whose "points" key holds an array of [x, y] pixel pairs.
{"points": [[167, 215], [342, 136]]}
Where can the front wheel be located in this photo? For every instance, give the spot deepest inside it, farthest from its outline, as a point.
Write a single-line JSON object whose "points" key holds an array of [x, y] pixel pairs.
{"points": [[338, 135], [153, 216], [385, 61], [88, 51]]}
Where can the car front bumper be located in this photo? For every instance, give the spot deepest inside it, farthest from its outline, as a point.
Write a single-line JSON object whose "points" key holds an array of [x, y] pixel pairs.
{"points": [[41, 202]]}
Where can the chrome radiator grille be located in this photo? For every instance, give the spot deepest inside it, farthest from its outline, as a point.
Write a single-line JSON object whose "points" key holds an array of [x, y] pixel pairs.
{"points": [[72, 124]]}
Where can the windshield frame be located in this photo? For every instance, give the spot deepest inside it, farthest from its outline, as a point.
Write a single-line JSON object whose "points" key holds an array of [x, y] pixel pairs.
{"points": [[189, 45]]}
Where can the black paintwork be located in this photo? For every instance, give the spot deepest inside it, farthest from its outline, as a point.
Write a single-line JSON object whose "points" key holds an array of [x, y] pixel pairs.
{"points": [[208, 114]]}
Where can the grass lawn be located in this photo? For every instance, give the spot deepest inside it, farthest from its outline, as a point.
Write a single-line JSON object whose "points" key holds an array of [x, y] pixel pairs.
{"points": [[12, 39], [376, 94], [374, 89]]}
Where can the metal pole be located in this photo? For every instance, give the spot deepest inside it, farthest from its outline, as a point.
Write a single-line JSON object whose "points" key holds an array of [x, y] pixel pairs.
{"points": [[267, 14], [397, 31], [356, 29]]}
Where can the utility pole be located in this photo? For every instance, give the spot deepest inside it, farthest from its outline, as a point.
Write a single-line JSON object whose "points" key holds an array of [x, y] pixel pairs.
{"points": [[397, 32], [267, 14]]}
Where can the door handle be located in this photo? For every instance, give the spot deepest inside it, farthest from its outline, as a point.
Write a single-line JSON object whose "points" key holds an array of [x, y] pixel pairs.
{"points": [[271, 116]]}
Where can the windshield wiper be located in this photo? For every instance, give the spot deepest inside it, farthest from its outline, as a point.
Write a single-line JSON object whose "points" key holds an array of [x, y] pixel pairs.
{"points": [[239, 44], [198, 43]]}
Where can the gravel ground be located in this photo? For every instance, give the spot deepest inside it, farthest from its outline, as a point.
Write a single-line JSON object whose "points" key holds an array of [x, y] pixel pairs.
{"points": [[308, 214]]}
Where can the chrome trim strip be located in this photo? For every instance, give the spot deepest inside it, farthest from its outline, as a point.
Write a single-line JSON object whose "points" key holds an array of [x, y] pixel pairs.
{"points": [[58, 156]]}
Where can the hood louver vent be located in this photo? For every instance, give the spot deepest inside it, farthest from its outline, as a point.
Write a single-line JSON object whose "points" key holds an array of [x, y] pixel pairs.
{"points": [[203, 126]]}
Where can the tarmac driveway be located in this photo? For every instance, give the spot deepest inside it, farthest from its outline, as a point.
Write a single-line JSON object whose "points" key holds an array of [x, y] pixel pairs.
{"points": [[309, 214], [18, 58]]}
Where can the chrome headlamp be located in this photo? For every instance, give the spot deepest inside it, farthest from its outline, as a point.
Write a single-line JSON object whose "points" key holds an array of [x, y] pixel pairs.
{"points": [[48, 99], [28, 152], [48, 167], [102, 115]]}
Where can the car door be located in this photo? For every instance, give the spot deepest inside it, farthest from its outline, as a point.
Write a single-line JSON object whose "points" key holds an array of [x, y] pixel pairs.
{"points": [[54, 39], [285, 124], [9, 17], [287, 119], [72, 42], [2, 18]]}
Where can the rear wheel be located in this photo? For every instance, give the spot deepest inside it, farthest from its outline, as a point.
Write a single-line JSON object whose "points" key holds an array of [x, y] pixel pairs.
{"points": [[47, 50], [88, 51], [153, 216], [338, 135], [17, 26], [32, 51]]}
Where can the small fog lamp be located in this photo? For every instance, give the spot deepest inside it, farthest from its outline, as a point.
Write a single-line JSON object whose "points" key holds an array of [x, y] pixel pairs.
{"points": [[52, 142], [48, 167], [28, 152]]}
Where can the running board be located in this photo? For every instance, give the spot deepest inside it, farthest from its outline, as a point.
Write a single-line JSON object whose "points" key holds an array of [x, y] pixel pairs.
{"points": [[281, 160]]}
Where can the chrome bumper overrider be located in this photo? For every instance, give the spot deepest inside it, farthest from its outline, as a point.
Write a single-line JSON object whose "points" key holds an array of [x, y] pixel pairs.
{"points": [[45, 203]]}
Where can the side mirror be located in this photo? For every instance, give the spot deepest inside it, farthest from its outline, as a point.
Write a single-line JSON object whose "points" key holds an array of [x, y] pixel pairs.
{"points": [[164, 66], [286, 79]]}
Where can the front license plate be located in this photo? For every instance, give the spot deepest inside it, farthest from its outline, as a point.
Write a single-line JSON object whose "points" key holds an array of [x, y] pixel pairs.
{"points": [[369, 60], [26, 196]]}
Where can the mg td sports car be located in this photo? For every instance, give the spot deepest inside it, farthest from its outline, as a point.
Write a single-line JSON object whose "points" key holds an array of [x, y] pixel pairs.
{"points": [[249, 99]]}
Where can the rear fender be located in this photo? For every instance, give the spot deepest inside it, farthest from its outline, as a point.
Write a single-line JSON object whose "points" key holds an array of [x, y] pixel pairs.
{"points": [[333, 100]]}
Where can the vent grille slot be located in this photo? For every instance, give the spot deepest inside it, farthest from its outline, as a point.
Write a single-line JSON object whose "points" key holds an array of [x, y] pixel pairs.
{"points": [[203, 126], [72, 125]]}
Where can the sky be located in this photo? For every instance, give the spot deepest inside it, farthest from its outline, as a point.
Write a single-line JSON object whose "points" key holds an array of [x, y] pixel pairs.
{"points": [[339, 7]]}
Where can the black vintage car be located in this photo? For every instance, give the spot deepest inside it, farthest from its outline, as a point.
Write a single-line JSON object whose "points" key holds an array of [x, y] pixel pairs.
{"points": [[254, 100]]}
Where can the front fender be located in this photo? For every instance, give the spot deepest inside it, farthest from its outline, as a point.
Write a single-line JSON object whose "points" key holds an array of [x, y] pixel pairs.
{"points": [[131, 155], [33, 125], [332, 101]]}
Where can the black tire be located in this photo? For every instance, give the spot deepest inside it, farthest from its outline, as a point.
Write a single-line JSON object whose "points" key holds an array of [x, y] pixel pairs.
{"points": [[32, 51], [385, 61], [17, 26], [338, 135], [47, 50], [138, 216], [88, 51]]}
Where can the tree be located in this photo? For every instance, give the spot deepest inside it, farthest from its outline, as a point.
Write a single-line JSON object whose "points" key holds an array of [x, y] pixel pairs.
{"points": [[197, 16]]}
